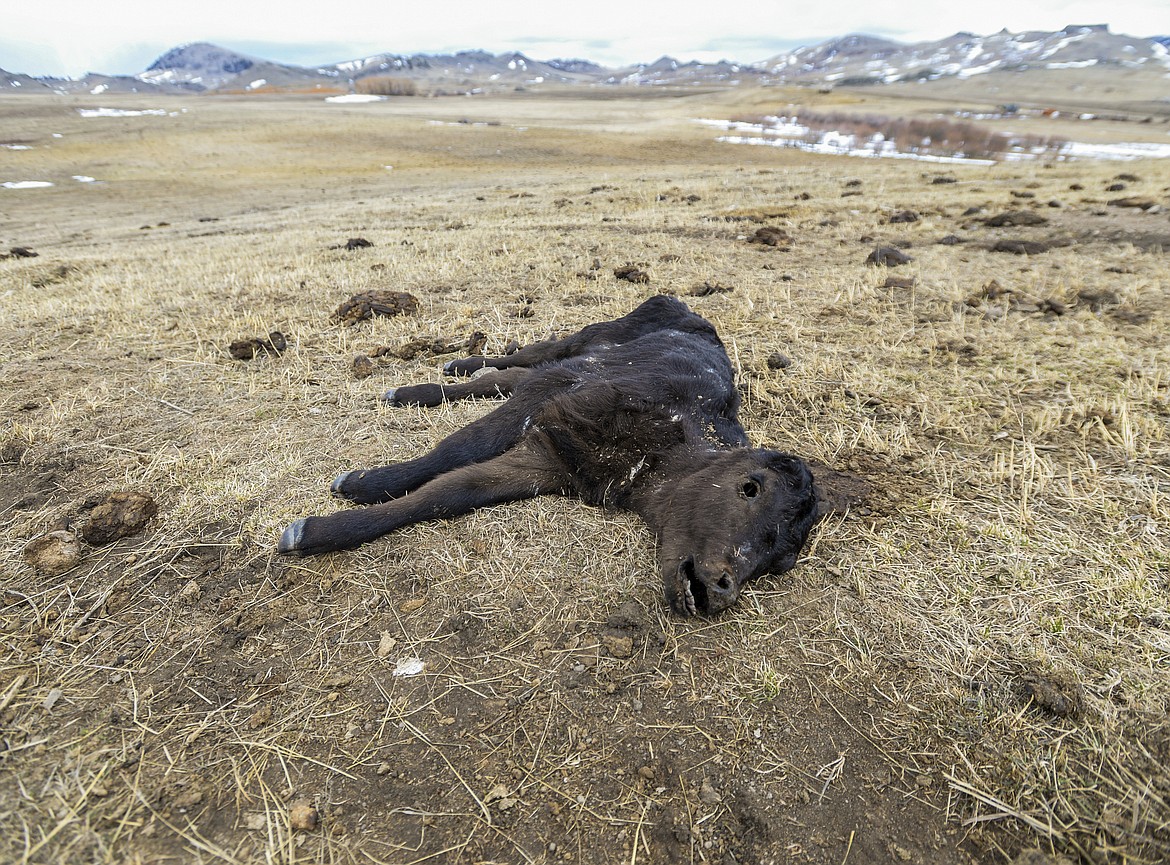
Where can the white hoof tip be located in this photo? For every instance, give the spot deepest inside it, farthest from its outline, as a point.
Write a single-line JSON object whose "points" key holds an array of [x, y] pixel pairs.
{"points": [[290, 539]]}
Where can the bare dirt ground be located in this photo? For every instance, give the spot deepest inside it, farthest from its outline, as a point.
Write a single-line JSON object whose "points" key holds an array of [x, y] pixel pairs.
{"points": [[970, 661]]}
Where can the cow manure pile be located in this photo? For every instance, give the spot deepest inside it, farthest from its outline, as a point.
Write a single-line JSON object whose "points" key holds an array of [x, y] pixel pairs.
{"points": [[367, 304], [101, 520], [247, 348]]}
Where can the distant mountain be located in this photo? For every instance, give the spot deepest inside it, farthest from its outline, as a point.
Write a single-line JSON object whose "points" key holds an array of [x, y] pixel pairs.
{"points": [[866, 60], [855, 59], [669, 71], [468, 69], [14, 82]]}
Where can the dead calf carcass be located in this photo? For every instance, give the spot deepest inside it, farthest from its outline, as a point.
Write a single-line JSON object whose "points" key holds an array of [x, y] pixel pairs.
{"points": [[638, 413]]}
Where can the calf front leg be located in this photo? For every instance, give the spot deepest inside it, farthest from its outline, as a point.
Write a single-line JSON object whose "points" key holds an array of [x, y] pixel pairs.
{"points": [[524, 472], [500, 383], [480, 440]]}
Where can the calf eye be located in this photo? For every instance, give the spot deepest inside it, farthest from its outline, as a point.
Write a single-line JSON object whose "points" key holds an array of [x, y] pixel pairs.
{"points": [[750, 490]]}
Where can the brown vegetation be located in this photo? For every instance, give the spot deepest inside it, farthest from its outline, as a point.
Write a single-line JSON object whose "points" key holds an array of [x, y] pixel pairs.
{"points": [[386, 85], [971, 658]]}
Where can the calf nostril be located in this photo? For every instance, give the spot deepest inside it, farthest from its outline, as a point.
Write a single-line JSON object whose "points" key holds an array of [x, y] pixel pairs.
{"points": [[725, 582]]}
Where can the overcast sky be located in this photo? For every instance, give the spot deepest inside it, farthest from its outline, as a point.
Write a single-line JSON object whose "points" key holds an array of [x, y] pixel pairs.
{"points": [[71, 37]]}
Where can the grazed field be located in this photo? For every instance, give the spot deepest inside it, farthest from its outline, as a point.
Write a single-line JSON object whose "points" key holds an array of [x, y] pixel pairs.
{"points": [[972, 659]]}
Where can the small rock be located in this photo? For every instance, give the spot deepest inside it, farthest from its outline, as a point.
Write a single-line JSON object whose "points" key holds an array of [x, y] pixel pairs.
{"points": [[303, 816], [51, 699], [386, 644], [646, 772], [950, 240], [708, 794], [357, 243], [54, 553], [256, 821], [904, 216]]}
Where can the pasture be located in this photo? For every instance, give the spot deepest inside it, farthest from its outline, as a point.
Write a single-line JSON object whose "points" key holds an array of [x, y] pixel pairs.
{"points": [[971, 659]]}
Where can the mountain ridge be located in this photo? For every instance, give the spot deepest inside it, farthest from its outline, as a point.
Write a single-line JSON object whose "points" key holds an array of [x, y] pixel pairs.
{"points": [[851, 59]]}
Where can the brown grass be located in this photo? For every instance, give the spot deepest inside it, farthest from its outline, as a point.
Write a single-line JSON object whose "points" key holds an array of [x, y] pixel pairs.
{"points": [[174, 694]]}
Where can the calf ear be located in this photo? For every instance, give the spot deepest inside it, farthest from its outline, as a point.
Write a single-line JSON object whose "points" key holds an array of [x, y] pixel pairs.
{"points": [[792, 468]]}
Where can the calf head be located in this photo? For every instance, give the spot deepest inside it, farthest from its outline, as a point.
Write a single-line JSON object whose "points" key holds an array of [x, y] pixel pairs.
{"points": [[741, 513]]}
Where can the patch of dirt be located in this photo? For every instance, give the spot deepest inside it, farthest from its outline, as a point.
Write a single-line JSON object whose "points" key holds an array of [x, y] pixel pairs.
{"points": [[838, 491]]}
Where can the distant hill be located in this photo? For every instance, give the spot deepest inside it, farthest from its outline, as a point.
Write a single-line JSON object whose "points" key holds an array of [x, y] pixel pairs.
{"points": [[14, 82], [855, 59], [863, 59]]}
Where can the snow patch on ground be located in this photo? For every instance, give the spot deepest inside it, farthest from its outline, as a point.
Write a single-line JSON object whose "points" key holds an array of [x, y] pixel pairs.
{"points": [[121, 112], [25, 184], [789, 132], [353, 98], [1071, 64]]}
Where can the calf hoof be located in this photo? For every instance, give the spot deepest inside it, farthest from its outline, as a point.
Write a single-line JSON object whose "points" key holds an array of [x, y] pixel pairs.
{"points": [[338, 483], [426, 395], [450, 368], [290, 539]]}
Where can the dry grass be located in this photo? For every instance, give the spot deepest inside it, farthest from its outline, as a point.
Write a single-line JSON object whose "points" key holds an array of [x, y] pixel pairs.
{"points": [[175, 694]]}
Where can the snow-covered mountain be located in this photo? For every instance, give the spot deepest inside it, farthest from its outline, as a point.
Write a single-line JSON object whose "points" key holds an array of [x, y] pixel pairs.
{"points": [[860, 59], [856, 59]]}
